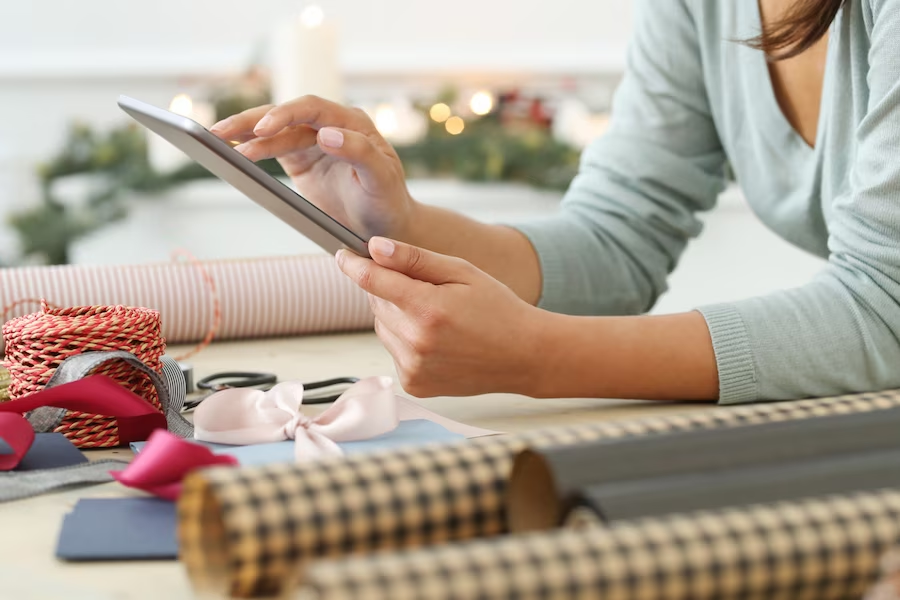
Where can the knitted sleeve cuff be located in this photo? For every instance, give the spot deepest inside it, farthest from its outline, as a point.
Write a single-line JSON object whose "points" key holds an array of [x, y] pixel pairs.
{"points": [[734, 357], [553, 273]]}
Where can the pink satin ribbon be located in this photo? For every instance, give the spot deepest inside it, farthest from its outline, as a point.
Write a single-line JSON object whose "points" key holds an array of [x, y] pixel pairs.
{"points": [[243, 416], [368, 409], [135, 417]]}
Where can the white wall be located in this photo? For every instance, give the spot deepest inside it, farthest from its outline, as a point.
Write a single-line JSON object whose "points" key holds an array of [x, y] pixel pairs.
{"points": [[52, 35]]}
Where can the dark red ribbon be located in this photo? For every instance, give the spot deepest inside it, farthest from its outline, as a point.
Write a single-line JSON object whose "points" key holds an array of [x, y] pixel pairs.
{"points": [[135, 417]]}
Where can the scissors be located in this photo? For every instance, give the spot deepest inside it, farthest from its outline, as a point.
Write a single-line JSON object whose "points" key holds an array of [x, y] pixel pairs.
{"points": [[265, 381]]}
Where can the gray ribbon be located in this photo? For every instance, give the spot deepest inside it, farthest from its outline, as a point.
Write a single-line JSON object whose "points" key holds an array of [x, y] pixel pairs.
{"points": [[16, 485], [77, 367]]}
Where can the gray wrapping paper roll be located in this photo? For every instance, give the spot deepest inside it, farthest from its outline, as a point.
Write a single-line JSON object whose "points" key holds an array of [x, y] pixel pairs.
{"points": [[629, 478]]}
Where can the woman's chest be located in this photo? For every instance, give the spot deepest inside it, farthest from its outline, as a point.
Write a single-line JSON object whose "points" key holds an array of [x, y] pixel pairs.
{"points": [[789, 129]]}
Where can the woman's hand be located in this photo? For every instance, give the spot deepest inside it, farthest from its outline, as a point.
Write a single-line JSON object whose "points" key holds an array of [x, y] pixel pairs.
{"points": [[452, 329], [335, 157]]}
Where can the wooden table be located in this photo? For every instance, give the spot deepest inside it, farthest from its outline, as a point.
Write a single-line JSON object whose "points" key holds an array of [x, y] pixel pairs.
{"points": [[29, 528]]}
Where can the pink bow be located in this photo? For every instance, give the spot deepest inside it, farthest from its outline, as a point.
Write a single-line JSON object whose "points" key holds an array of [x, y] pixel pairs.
{"points": [[242, 416]]}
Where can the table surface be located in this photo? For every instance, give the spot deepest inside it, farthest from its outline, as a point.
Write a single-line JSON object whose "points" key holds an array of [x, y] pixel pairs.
{"points": [[29, 528]]}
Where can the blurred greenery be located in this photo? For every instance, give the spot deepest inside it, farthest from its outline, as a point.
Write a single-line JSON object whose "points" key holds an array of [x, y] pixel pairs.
{"points": [[117, 162]]}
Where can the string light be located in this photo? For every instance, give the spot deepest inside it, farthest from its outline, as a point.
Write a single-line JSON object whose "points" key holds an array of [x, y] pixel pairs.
{"points": [[312, 16], [386, 120], [440, 112], [182, 105], [455, 125], [481, 103]]}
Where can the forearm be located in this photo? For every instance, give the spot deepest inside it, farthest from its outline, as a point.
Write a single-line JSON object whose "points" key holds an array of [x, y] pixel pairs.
{"points": [[647, 357], [500, 251]]}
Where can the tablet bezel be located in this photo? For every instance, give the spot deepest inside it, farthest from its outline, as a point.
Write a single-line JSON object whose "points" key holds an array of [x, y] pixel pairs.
{"points": [[226, 163]]}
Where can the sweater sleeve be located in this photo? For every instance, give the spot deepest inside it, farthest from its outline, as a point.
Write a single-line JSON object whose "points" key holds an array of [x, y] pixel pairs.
{"points": [[841, 332], [629, 213]]}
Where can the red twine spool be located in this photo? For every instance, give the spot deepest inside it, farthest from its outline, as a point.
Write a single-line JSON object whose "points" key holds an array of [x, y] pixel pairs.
{"points": [[38, 343]]}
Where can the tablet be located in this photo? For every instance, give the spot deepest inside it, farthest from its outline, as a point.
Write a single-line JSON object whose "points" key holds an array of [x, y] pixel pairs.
{"points": [[229, 165]]}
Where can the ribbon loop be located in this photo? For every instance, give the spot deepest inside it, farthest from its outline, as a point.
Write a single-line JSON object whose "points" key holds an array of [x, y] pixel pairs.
{"points": [[242, 416]]}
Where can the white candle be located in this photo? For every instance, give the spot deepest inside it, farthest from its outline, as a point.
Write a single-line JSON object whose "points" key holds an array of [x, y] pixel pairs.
{"points": [[163, 156], [304, 58]]}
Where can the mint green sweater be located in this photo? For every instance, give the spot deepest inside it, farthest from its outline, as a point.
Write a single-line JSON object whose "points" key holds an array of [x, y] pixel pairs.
{"points": [[693, 99]]}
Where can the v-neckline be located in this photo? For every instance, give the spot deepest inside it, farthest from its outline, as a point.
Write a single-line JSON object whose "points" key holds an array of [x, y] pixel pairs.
{"points": [[771, 99]]}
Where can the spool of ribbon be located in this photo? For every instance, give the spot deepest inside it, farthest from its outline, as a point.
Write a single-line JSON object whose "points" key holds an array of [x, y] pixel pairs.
{"points": [[37, 344], [4, 385]]}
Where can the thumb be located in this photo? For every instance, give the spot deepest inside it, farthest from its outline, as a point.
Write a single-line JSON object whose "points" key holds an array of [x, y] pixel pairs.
{"points": [[359, 150], [418, 263]]}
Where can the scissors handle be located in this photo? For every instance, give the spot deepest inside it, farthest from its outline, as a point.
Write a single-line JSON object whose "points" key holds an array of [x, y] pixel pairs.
{"points": [[233, 379]]}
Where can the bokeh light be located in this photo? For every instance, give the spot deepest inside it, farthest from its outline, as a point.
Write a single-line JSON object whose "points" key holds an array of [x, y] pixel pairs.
{"points": [[455, 125]]}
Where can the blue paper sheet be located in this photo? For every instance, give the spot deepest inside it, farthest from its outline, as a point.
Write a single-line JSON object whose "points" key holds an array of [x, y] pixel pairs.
{"points": [[119, 529], [49, 451], [417, 432]]}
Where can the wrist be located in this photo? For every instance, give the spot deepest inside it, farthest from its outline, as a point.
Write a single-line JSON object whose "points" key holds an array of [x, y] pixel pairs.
{"points": [[543, 349], [409, 222]]}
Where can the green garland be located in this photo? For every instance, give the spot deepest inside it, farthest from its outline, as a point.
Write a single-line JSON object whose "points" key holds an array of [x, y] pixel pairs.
{"points": [[488, 150]]}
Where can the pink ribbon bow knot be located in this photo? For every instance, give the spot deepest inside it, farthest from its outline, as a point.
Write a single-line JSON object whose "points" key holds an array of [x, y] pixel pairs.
{"points": [[242, 416]]}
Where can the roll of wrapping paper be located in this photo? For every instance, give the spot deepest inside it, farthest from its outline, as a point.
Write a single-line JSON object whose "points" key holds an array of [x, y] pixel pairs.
{"points": [[824, 549], [638, 477], [249, 531], [259, 297]]}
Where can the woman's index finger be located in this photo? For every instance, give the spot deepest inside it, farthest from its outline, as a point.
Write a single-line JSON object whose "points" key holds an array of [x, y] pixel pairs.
{"points": [[314, 112]]}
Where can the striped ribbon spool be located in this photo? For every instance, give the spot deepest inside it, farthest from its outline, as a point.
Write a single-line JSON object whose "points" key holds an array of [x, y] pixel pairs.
{"points": [[38, 343], [4, 385]]}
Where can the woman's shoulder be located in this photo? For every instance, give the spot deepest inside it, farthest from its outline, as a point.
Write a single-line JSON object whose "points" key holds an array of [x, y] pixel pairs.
{"points": [[715, 21]]}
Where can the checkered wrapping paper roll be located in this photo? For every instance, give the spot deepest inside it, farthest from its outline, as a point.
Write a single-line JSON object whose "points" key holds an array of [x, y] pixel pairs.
{"points": [[814, 549], [259, 297], [248, 531]]}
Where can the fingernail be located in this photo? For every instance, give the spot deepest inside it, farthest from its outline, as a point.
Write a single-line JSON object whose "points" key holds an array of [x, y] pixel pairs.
{"points": [[331, 137], [242, 147], [340, 256], [224, 123], [382, 246], [263, 123]]}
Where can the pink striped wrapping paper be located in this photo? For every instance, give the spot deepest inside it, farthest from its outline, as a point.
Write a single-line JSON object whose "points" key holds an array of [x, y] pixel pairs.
{"points": [[259, 297]]}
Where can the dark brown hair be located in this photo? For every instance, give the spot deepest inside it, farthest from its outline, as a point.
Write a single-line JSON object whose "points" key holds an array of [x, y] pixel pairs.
{"points": [[804, 25]]}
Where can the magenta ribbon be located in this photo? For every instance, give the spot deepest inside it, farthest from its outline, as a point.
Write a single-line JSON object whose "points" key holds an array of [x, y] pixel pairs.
{"points": [[165, 462], [135, 417]]}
